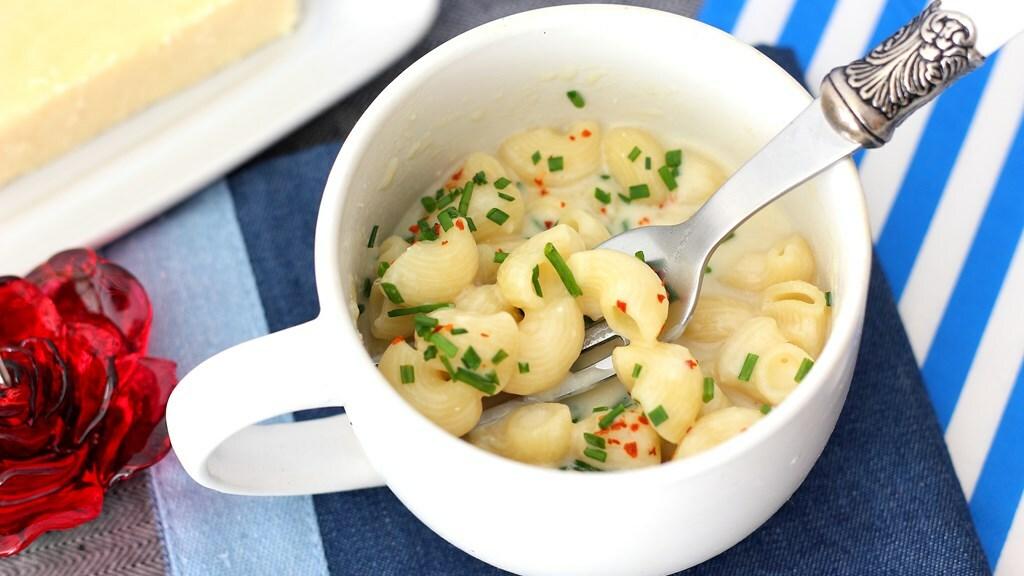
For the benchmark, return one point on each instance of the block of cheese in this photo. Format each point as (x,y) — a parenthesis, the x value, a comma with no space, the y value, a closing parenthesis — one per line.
(71,68)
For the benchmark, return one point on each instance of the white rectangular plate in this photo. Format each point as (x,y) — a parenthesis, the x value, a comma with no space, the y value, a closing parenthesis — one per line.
(156,158)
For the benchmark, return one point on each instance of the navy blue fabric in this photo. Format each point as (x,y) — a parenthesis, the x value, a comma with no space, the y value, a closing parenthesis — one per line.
(883,498)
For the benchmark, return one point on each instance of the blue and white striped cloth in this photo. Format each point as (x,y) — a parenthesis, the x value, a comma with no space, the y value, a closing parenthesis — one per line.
(946,200)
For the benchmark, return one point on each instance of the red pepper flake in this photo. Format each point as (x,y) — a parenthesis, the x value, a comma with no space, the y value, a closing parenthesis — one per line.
(603,432)
(604,210)
(586,133)
(662,205)
(444,242)
(644,221)
(460,225)
(539,181)
(415,229)
(691,363)
(634,426)
(485,335)
(544,192)
(437,229)
(571,137)
(439,327)
(397,340)
(561,204)
(688,430)
(457,175)
(661,298)
(653,451)
(618,425)
(621,305)
(630,448)
(611,441)
(548,224)
(643,419)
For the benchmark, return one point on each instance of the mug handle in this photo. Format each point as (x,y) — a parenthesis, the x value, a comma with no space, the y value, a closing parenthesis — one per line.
(213,416)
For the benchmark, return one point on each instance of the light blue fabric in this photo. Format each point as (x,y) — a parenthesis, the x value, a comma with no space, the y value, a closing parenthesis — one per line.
(193,263)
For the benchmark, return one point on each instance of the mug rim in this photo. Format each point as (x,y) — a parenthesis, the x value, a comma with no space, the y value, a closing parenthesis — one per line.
(847,312)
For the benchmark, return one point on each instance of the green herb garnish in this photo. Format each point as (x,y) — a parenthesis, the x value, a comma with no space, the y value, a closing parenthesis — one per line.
(502,183)
(430,353)
(391,291)
(459,331)
(367,285)
(506,197)
(576,98)
(408,373)
(421,309)
(480,178)
(500,256)
(709,389)
(497,216)
(471,224)
(429,203)
(674,157)
(666,176)
(602,196)
(805,367)
(499,356)
(444,345)
(382,267)
(595,454)
(535,278)
(748,367)
(610,417)
(486,384)
(634,153)
(535,157)
(373,236)
(658,415)
(639,191)
(562,268)
(524,367)
(766,408)
(594,440)
(828,298)
(467,195)
(470,359)
(640,256)
(636,370)
(555,163)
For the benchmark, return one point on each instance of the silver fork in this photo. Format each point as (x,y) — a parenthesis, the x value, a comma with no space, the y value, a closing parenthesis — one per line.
(860,106)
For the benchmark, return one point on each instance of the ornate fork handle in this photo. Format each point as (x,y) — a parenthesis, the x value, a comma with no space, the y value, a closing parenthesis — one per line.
(867,99)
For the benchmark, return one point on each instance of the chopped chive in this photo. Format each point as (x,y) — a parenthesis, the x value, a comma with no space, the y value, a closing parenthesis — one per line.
(430,353)
(444,345)
(438,193)
(563,270)
(373,236)
(480,178)
(424,325)
(524,367)
(408,373)
(391,291)
(497,216)
(625,225)
(576,98)
(674,157)
(506,197)
(595,454)
(766,408)
(426,232)
(429,203)
(600,409)
(634,154)
(536,281)
(594,440)
(709,389)
(447,366)
(470,359)
(445,200)
(625,198)
(467,195)
(581,466)
(555,163)
(421,309)
(805,367)
(639,191)
(471,224)
(658,415)
(647,163)
(729,236)
(828,298)
(748,367)
(666,176)
(605,177)
(499,356)
(367,284)
(481,383)
(499,257)
(602,196)
(445,219)
(610,417)
(640,256)
(502,183)
(382,267)
(636,370)
(707,269)
(459,331)
(535,157)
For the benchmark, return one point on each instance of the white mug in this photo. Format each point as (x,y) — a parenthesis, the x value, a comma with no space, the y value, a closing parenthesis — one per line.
(668,73)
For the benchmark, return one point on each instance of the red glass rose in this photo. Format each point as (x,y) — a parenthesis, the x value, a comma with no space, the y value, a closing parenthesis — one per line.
(84,405)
